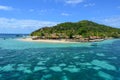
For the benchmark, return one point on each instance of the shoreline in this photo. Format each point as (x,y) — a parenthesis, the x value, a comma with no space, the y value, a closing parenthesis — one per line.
(45,40)
(56,40)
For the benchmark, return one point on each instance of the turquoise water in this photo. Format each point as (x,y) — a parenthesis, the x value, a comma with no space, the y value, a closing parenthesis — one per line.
(59,61)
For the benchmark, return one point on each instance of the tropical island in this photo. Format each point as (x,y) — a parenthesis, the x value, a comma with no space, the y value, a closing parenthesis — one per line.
(82,31)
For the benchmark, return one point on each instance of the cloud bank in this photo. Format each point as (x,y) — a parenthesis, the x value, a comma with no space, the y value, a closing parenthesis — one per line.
(65,14)
(73,1)
(112,21)
(22,26)
(5,8)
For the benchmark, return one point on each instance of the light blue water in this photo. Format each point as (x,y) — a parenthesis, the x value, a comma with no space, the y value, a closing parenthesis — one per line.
(59,61)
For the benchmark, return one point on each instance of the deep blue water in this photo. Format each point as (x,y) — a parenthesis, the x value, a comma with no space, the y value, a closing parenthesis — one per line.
(45,61)
(6,36)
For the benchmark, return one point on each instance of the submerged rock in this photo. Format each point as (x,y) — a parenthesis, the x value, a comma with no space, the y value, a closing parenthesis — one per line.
(24,69)
(56,69)
(39,68)
(47,76)
(96,68)
(76,57)
(100,54)
(62,65)
(27,71)
(1,57)
(104,75)
(72,69)
(112,58)
(71,66)
(8,67)
(103,64)
(41,63)
(83,64)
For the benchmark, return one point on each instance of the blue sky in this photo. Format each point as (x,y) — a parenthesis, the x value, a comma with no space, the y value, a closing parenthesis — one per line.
(25,16)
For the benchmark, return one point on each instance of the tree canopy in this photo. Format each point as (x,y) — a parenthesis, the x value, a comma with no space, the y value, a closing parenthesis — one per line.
(82,28)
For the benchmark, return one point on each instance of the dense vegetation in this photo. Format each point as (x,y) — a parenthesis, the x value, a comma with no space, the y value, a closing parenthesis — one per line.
(82,29)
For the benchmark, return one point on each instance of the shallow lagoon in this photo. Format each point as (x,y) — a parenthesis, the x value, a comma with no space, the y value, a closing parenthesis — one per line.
(45,61)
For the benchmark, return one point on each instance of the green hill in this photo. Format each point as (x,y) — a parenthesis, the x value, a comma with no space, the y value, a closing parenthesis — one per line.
(83,29)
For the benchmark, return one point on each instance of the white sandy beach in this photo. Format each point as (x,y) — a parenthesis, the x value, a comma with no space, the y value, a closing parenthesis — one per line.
(45,40)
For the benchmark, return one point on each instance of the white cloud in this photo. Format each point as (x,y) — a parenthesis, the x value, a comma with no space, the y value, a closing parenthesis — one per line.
(65,14)
(89,5)
(6,8)
(22,25)
(73,1)
(113,21)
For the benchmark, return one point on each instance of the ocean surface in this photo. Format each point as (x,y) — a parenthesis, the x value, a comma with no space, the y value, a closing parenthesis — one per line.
(58,61)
